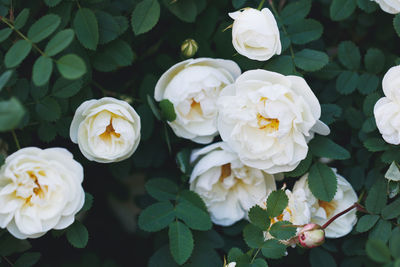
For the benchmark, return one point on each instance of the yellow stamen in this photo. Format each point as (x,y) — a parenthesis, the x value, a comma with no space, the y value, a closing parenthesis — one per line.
(106,136)
(329,207)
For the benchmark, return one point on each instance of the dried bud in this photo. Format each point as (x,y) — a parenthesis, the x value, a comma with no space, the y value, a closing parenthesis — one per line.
(311,235)
(189,48)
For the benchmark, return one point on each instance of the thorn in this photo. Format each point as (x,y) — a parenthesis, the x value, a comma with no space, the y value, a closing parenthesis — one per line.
(229,27)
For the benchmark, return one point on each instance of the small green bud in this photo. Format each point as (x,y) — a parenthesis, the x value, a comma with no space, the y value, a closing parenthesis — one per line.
(189,48)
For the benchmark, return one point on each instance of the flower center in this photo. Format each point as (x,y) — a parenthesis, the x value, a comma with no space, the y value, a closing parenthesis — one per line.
(329,207)
(268,124)
(109,132)
(226,171)
(195,106)
(279,218)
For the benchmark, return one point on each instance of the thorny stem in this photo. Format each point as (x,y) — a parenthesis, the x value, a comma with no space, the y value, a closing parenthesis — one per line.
(355,205)
(261,5)
(15,139)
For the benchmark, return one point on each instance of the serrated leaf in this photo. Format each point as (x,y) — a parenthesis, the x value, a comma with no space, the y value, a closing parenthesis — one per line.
(11,114)
(47,132)
(235,254)
(392,210)
(374,60)
(349,55)
(184,10)
(52,3)
(320,257)
(43,27)
(4,78)
(277,201)
(114,55)
(259,217)
(86,28)
(77,235)
(310,60)
(295,11)
(161,189)
(193,216)
(59,42)
(378,251)
(305,31)
(253,236)
(366,222)
(375,144)
(283,233)
(324,147)
(273,249)
(27,259)
(376,198)
(367,83)
(21,19)
(330,112)
(393,173)
(342,9)
(347,82)
(71,66)
(381,231)
(167,110)
(238,3)
(180,242)
(367,5)
(394,243)
(48,109)
(193,198)
(42,70)
(145,16)
(17,53)
(64,88)
(282,64)
(156,217)
(108,27)
(322,182)
(302,168)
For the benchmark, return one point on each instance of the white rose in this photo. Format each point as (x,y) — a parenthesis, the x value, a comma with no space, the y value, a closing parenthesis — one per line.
(39,190)
(267,118)
(322,211)
(255,34)
(387,109)
(231,264)
(106,130)
(228,187)
(389,6)
(193,86)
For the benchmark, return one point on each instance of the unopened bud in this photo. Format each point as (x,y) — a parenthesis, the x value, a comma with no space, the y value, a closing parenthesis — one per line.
(189,48)
(311,235)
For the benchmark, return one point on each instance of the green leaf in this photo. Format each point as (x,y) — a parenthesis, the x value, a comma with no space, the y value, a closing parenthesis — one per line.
(273,249)
(259,217)
(322,182)
(253,236)
(167,110)
(153,107)
(5,33)
(393,173)
(183,160)
(161,189)
(42,70)
(347,82)
(21,19)
(349,55)
(11,114)
(367,5)
(392,210)
(324,147)
(193,198)
(302,168)
(366,222)
(156,217)
(77,235)
(109,28)
(320,257)
(375,144)
(282,64)
(4,78)
(184,10)
(71,66)
(180,242)
(376,199)
(145,16)
(88,202)
(277,201)
(59,42)
(114,55)
(238,3)
(64,88)
(369,125)
(52,3)
(43,27)
(282,233)
(342,9)
(27,259)
(330,113)
(305,31)
(48,109)
(396,24)
(310,60)
(378,251)
(86,28)
(367,83)
(17,53)
(194,217)
(295,11)
(394,243)
(47,132)
(374,60)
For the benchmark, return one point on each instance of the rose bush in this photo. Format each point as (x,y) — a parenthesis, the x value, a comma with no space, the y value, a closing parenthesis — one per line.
(235,132)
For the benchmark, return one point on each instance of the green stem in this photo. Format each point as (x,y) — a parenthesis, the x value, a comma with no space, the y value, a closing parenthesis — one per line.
(8,261)
(261,4)
(15,139)
(255,255)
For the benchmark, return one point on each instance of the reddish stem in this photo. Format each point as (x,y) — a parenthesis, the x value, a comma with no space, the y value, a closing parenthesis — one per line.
(355,205)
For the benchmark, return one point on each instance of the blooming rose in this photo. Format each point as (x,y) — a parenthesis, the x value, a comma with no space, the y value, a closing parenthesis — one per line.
(322,211)
(389,6)
(106,130)
(267,118)
(232,264)
(255,34)
(39,190)
(228,187)
(387,109)
(193,86)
